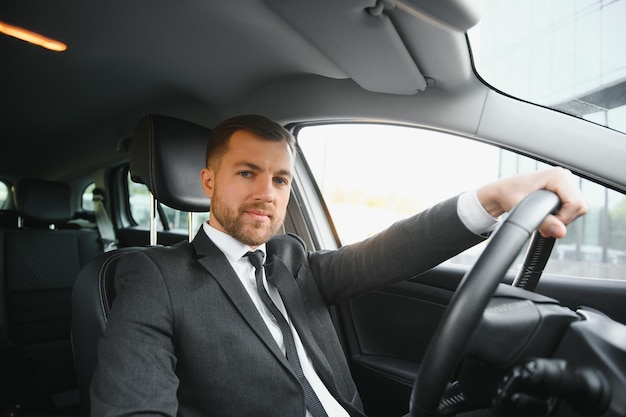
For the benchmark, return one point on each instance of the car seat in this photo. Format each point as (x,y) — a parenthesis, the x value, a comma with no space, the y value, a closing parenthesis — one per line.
(167,155)
(39,263)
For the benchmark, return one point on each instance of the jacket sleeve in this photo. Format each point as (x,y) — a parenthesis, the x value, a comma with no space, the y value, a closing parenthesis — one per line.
(136,361)
(404,250)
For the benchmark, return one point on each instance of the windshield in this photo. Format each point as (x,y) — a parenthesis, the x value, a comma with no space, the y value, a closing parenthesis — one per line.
(563,54)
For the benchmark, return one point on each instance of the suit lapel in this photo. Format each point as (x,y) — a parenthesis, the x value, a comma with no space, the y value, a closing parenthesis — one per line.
(215,262)
(292,299)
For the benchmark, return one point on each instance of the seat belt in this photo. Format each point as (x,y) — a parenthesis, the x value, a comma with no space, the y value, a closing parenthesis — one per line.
(105,226)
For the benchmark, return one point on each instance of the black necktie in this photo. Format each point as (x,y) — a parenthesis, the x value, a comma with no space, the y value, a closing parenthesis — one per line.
(312,402)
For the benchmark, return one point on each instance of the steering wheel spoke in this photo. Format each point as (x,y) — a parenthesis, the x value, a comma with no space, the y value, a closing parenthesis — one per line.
(535,261)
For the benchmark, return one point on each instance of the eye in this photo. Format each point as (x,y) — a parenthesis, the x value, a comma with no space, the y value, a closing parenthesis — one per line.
(245,174)
(281,181)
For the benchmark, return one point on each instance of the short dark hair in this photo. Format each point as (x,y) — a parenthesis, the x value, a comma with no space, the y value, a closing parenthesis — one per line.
(253,123)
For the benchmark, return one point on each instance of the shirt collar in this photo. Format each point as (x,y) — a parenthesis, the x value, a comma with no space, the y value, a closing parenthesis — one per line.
(231,247)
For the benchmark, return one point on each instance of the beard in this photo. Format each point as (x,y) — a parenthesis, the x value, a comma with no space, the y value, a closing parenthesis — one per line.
(251,233)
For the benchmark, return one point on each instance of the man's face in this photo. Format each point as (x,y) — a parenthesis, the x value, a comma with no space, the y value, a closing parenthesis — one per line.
(249,190)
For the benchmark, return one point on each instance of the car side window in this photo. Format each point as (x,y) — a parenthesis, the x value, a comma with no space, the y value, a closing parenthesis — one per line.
(4,194)
(371,175)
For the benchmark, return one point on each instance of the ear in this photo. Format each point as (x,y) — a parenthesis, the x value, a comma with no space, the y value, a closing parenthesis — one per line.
(207,177)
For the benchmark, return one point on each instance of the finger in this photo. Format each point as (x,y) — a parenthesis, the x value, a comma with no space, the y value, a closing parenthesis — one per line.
(571,211)
(552,226)
(556,225)
(565,184)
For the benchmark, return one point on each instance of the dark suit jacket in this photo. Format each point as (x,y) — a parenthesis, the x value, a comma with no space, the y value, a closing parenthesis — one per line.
(185,339)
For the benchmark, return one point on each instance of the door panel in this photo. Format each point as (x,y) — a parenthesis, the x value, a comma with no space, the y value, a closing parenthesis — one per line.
(387,332)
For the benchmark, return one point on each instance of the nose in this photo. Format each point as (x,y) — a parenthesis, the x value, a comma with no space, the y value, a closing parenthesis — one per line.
(264,188)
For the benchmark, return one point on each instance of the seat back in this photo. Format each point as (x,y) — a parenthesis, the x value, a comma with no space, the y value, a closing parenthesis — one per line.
(8,219)
(167,155)
(40,261)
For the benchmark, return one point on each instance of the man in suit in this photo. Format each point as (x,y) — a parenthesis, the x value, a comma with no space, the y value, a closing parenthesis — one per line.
(192,334)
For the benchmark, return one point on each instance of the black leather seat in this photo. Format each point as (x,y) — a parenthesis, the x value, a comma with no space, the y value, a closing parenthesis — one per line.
(39,262)
(167,155)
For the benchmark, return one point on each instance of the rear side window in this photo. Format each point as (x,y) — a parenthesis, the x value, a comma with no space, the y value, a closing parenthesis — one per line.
(139,200)
(168,218)
(399,171)
(87,198)
(4,195)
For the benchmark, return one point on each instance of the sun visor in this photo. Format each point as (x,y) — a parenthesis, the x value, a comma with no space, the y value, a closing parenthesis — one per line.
(359,37)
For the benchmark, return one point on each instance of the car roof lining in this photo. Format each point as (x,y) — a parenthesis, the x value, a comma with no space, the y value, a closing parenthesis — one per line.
(153,74)
(202,75)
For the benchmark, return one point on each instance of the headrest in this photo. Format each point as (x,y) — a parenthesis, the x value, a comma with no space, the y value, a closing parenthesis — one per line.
(167,155)
(43,201)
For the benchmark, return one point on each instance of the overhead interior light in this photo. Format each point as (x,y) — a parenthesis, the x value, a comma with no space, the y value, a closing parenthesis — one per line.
(32,37)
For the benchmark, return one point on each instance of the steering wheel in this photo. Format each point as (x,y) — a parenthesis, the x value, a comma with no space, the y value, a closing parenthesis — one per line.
(471,299)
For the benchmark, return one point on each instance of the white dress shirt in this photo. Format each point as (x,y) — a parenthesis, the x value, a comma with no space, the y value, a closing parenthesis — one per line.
(473,214)
(469,209)
(235,252)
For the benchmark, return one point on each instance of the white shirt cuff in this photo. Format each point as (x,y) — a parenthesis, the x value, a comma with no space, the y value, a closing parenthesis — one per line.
(473,214)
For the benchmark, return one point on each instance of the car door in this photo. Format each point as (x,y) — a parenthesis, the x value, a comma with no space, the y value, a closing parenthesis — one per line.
(350,186)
